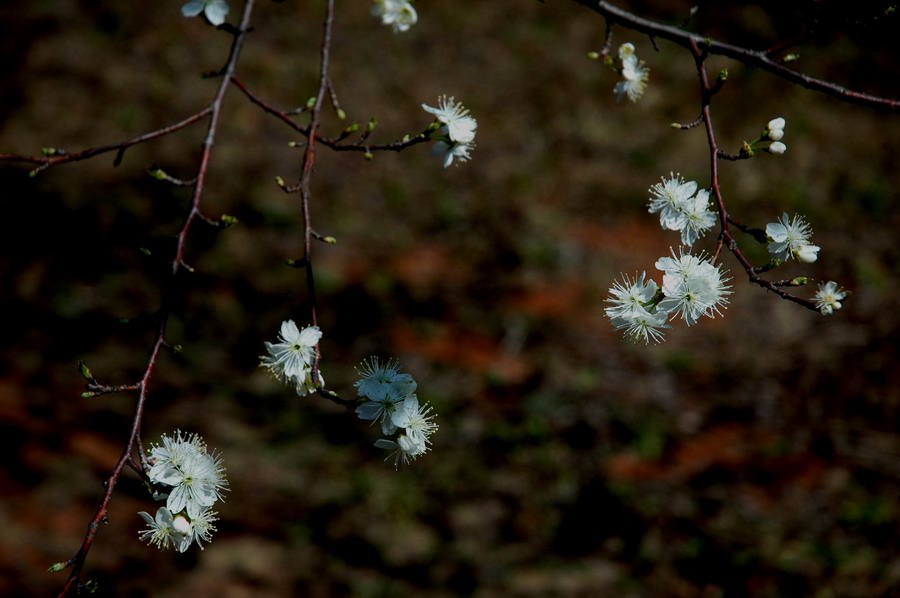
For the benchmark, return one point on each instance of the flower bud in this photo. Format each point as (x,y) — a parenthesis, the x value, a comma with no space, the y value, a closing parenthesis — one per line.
(777,148)
(182,525)
(776,124)
(808,253)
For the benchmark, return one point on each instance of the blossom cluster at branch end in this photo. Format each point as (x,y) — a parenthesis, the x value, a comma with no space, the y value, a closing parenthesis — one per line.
(190,479)
(290,360)
(456,134)
(389,398)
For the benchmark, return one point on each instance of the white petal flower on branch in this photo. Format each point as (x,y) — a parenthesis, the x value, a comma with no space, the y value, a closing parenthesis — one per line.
(171,455)
(460,125)
(381,411)
(198,483)
(634,75)
(643,325)
(415,419)
(387,388)
(448,151)
(777,148)
(165,530)
(692,287)
(202,527)
(456,137)
(399,14)
(694,218)
(668,198)
(404,450)
(790,238)
(214,10)
(828,298)
(633,309)
(630,296)
(379,379)
(290,360)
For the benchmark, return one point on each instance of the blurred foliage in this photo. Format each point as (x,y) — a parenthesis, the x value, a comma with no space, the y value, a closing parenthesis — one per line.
(755,454)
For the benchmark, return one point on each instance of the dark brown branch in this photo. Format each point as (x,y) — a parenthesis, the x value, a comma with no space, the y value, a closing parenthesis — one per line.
(333,143)
(63,158)
(73,583)
(725,236)
(309,160)
(756,58)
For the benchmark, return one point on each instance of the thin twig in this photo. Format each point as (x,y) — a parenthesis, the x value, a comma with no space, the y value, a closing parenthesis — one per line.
(64,158)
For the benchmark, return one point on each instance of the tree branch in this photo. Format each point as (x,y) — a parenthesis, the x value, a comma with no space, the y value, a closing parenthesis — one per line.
(755,58)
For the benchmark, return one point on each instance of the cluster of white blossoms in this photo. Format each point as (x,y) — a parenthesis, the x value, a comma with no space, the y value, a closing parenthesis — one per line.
(692,287)
(634,75)
(213,10)
(190,479)
(390,399)
(399,14)
(456,137)
(290,359)
(682,207)
(790,238)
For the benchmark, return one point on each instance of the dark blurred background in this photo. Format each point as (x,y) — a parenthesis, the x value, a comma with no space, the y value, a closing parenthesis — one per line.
(754,454)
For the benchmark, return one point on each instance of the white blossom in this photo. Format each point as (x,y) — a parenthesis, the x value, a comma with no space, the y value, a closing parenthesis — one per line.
(399,14)
(790,238)
(692,287)
(391,400)
(166,530)
(448,151)
(416,420)
(386,387)
(828,298)
(680,209)
(460,125)
(643,325)
(214,10)
(290,360)
(379,379)
(634,310)
(404,450)
(455,138)
(196,478)
(668,197)
(634,75)
(197,483)
(694,218)
(202,526)
(172,453)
